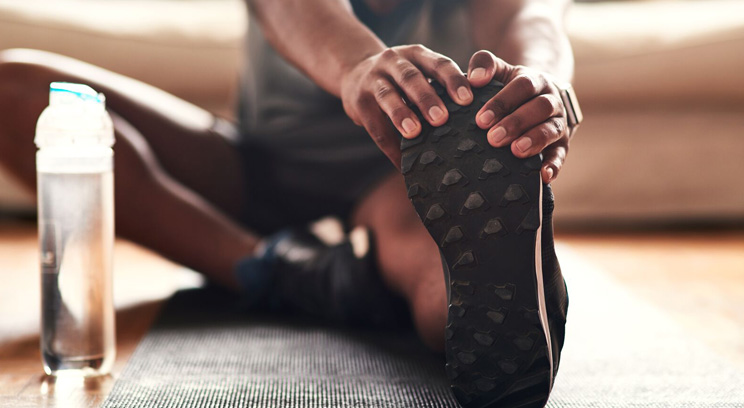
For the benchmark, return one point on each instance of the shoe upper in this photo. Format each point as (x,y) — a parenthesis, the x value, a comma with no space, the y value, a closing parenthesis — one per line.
(330,282)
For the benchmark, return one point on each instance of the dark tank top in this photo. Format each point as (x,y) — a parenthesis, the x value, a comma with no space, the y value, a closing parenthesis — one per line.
(276,97)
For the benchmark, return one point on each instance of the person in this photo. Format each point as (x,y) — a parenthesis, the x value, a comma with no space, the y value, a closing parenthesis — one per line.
(329,88)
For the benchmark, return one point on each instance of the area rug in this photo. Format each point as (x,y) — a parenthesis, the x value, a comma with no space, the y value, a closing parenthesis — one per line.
(620,352)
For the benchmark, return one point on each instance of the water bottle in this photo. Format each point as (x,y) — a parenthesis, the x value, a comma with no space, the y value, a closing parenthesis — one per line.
(75,181)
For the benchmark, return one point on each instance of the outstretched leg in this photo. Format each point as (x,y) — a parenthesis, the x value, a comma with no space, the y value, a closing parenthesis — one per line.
(484,209)
(178,181)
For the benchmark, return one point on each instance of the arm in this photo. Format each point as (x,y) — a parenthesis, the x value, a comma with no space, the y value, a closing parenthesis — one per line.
(330,45)
(529,113)
(531,33)
(322,38)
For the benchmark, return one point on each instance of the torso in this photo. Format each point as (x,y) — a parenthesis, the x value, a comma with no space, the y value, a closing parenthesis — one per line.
(275,96)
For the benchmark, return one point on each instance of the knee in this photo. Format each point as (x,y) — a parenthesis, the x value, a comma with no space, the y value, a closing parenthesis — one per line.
(18,67)
(24,87)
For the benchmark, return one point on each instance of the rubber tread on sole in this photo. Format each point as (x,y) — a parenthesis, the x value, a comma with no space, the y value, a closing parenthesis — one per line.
(482,207)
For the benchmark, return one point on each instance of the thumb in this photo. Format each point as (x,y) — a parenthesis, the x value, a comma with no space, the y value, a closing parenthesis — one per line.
(484,67)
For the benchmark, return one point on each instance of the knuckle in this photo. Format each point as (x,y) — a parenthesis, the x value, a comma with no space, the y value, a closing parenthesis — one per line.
(525,84)
(557,103)
(409,74)
(546,104)
(383,91)
(418,48)
(442,62)
(561,127)
(389,54)
(544,133)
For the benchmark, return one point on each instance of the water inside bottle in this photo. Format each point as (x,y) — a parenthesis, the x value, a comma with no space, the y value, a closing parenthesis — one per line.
(76,241)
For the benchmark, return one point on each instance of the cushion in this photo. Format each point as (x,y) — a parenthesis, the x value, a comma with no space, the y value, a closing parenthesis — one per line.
(189,48)
(653,52)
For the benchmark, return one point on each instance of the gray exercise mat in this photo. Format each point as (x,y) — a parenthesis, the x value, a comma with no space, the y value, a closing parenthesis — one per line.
(620,352)
(201,353)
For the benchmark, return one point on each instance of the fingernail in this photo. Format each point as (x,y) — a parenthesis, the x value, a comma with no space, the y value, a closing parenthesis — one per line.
(463,93)
(487,117)
(409,126)
(497,135)
(478,74)
(436,113)
(549,171)
(524,143)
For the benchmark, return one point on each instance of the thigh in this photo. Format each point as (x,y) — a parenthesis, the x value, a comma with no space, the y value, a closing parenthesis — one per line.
(189,143)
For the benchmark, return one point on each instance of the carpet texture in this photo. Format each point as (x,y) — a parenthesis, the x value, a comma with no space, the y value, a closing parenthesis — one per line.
(620,352)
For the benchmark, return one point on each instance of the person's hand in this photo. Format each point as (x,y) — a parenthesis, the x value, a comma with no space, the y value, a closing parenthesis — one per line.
(528,113)
(375,91)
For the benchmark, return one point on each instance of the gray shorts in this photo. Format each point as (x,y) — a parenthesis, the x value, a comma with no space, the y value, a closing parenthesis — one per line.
(321,168)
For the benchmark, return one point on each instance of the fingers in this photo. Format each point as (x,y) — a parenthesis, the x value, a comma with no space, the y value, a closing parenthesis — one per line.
(484,67)
(381,131)
(526,113)
(539,137)
(444,71)
(516,93)
(399,113)
(553,158)
(536,111)
(416,88)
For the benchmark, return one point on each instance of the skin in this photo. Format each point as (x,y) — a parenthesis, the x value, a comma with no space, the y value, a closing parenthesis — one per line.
(376,81)
(179,187)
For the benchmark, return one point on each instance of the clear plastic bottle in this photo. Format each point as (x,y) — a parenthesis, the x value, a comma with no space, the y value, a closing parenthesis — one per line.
(74,167)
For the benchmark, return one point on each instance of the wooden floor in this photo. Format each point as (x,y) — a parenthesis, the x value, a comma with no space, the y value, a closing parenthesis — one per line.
(697,278)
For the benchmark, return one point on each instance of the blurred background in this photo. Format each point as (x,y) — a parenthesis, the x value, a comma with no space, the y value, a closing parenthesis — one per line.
(652,193)
(661,84)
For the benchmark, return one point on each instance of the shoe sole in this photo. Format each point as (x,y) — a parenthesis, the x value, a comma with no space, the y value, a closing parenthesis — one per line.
(483,206)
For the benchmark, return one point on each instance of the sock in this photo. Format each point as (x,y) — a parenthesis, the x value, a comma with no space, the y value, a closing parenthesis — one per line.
(255,274)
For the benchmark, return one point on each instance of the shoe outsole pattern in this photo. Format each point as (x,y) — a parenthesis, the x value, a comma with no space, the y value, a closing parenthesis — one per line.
(482,207)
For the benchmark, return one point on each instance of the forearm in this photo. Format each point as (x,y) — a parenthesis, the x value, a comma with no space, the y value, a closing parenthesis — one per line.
(322,38)
(531,33)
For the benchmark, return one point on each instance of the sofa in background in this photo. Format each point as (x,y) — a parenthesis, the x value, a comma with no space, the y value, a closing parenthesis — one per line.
(661,84)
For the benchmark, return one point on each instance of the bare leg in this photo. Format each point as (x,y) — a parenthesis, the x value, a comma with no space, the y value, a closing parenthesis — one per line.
(175,179)
(408,258)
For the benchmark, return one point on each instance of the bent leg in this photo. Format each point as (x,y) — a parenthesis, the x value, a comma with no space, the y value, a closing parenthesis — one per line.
(408,258)
(174,181)
(179,134)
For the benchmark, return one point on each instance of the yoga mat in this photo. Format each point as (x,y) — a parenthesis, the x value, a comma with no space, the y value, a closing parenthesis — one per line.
(620,352)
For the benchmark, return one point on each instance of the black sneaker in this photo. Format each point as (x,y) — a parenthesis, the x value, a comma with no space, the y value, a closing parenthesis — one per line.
(300,274)
(483,207)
